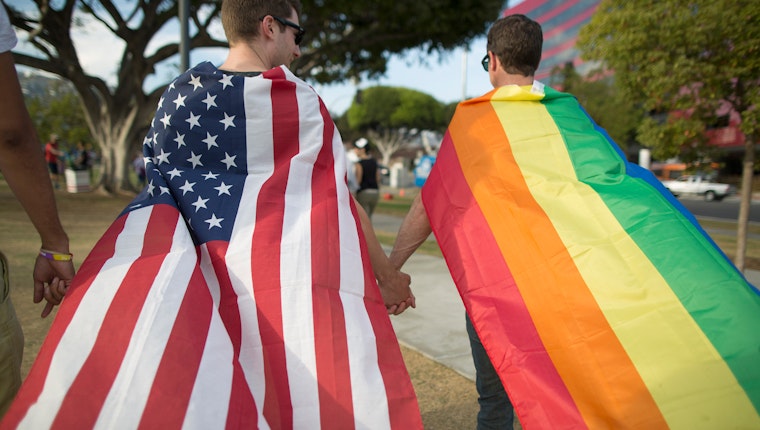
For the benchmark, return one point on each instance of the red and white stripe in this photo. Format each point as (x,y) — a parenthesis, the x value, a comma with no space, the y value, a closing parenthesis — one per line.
(282,327)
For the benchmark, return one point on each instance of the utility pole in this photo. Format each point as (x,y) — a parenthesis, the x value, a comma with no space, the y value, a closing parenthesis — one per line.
(464,72)
(184,42)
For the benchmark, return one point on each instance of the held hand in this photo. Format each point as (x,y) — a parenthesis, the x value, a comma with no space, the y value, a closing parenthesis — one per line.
(51,280)
(397,295)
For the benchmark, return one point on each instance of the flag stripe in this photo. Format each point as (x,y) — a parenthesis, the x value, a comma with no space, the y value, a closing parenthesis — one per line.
(210,401)
(723,290)
(265,260)
(193,317)
(490,294)
(335,400)
(242,409)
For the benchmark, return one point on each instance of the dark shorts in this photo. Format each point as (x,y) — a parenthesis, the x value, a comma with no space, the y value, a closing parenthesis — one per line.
(53,167)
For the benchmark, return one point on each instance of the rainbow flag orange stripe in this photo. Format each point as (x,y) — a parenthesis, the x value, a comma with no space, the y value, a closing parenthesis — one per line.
(600,300)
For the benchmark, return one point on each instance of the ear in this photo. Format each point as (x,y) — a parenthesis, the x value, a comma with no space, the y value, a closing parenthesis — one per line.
(494,63)
(267,27)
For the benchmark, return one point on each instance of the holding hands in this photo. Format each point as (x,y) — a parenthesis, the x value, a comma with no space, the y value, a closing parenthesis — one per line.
(52,277)
(396,291)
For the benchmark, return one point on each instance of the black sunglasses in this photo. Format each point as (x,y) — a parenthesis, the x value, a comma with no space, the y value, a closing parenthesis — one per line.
(484,62)
(300,31)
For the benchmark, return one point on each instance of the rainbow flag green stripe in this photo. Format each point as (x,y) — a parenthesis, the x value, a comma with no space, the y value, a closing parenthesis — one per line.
(593,290)
(705,283)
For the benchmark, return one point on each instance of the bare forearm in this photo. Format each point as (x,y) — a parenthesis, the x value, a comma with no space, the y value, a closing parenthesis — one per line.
(22,161)
(413,232)
(380,263)
(25,171)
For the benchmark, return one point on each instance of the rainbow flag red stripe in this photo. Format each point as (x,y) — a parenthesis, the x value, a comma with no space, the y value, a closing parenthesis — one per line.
(598,297)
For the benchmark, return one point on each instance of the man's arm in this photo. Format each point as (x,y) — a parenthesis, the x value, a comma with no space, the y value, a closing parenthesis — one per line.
(394,285)
(413,232)
(22,164)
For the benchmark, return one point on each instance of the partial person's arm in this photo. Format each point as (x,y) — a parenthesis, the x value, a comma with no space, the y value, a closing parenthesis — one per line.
(359,172)
(394,285)
(413,232)
(23,167)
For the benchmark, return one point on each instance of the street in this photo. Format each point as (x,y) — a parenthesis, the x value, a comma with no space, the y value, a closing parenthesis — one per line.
(727,209)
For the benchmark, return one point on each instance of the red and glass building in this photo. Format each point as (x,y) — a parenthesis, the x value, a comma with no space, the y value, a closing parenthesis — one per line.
(560,20)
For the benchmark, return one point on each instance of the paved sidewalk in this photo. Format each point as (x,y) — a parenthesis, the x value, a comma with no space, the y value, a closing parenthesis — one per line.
(436,328)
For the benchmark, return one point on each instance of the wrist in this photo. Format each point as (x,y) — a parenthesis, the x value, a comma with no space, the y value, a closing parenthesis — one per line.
(56,256)
(59,245)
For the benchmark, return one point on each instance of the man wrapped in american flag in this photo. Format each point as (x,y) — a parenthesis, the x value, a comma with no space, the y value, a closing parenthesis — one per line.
(236,291)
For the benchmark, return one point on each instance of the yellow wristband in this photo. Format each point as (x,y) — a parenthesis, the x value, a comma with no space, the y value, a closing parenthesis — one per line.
(56,256)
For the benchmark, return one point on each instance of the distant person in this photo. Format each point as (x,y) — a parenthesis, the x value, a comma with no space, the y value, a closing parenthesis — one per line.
(351,160)
(138,164)
(244,287)
(594,297)
(52,157)
(368,177)
(23,167)
(80,157)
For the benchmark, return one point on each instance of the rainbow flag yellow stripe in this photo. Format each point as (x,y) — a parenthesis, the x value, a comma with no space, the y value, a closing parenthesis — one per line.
(600,300)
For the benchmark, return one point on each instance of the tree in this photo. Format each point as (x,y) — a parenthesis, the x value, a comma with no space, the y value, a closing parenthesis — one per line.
(347,39)
(54,108)
(685,60)
(603,101)
(392,116)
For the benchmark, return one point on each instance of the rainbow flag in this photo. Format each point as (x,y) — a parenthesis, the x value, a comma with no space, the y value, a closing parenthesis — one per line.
(599,299)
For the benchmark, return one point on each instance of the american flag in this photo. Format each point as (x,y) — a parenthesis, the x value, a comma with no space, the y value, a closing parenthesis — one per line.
(236,290)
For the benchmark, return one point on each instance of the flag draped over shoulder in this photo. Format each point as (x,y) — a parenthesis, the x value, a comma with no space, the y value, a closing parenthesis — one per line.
(236,290)
(599,299)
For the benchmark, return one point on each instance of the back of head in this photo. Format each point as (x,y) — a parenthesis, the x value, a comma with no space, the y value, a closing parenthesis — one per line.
(240,18)
(517,40)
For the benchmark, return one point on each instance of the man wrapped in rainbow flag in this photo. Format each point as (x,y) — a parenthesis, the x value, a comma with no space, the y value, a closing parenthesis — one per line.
(562,253)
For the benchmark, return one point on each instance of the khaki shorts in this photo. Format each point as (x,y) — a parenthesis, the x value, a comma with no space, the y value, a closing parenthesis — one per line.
(11,342)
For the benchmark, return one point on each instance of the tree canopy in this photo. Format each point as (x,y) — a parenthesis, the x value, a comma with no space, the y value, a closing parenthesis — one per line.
(345,39)
(603,102)
(688,62)
(682,59)
(350,38)
(392,116)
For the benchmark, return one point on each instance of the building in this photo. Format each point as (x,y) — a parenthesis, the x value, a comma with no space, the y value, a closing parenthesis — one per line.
(561,20)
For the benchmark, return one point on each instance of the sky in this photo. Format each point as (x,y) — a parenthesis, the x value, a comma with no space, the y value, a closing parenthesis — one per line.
(456,75)
(448,77)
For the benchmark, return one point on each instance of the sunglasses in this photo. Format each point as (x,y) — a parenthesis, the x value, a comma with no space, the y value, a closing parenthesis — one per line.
(300,31)
(484,62)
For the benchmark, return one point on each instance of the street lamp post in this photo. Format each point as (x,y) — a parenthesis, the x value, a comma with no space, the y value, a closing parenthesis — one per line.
(184,43)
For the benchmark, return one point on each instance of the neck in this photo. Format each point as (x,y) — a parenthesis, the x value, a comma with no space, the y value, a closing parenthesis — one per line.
(244,57)
(505,78)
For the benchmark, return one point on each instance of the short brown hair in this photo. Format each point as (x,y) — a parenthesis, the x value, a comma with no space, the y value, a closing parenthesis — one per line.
(517,40)
(240,18)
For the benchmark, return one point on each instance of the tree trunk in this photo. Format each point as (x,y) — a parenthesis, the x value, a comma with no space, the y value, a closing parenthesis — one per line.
(746,200)
(117,133)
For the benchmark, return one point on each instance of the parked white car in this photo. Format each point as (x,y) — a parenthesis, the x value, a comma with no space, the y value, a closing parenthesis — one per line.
(699,185)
